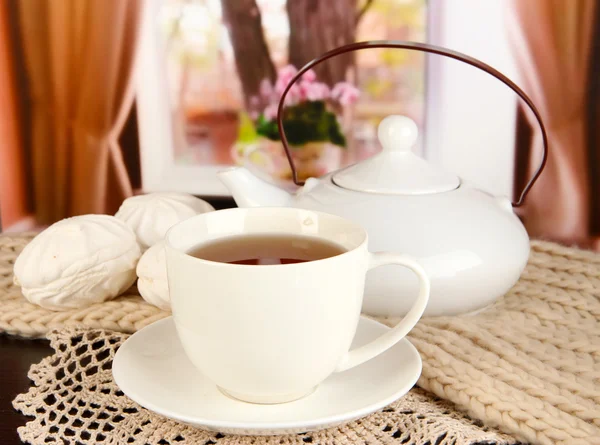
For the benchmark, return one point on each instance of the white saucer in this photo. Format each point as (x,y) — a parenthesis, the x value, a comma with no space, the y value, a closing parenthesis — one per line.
(152,369)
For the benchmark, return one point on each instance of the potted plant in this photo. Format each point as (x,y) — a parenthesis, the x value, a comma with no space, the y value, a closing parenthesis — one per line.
(310,120)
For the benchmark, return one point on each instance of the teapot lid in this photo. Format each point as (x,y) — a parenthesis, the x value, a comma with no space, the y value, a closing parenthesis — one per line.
(396,169)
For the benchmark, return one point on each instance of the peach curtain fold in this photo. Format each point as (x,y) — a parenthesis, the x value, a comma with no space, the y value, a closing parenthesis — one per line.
(551,41)
(13,196)
(79,60)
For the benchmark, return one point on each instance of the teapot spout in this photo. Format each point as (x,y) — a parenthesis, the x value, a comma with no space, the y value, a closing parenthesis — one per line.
(249,191)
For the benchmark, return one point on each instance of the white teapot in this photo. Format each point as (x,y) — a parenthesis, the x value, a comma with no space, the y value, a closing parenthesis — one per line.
(471,244)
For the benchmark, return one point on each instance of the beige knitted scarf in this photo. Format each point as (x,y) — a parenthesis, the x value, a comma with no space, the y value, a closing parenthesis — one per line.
(529,365)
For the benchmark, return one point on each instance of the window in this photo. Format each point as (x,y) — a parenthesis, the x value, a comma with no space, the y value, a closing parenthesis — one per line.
(193,103)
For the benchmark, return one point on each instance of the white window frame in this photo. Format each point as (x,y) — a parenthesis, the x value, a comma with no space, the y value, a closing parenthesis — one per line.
(159,170)
(470,116)
(458,98)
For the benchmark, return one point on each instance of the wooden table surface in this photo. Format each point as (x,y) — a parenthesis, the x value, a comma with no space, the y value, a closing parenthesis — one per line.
(16,356)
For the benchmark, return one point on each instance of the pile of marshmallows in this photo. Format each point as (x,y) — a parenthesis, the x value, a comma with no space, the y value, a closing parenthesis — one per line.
(89,259)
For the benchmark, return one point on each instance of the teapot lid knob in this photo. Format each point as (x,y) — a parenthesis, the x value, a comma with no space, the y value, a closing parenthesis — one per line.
(396,170)
(398,133)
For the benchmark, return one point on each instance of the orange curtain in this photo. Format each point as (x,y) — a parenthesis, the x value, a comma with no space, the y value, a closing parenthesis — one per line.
(13,199)
(79,57)
(551,40)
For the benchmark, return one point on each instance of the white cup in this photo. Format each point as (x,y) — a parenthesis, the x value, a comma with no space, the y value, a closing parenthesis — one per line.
(273,333)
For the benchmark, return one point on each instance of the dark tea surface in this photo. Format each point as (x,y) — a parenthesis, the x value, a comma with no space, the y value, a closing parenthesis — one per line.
(266,249)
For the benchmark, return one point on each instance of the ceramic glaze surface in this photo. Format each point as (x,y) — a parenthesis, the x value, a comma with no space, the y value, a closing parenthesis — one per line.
(152,369)
(471,244)
(396,170)
(272,333)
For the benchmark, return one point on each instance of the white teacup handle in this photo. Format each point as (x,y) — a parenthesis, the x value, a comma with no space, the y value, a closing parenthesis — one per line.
(381,344)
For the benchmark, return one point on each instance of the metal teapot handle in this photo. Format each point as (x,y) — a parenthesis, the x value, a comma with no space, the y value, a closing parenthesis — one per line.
(428,49)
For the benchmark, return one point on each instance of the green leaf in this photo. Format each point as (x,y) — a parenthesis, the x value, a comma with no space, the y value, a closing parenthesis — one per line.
(246,131)
(267,128)
(335,133)
(303,123)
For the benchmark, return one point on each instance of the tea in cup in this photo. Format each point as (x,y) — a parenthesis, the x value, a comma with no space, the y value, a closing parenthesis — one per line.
(266,301)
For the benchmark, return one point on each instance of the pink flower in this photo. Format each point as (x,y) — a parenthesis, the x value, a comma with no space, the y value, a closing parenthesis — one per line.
(279,87)
(345,93)
(350,97)
(286,74)
(284,77)
(266,89)
(271,112)
(313,91)
(254,101)
(309,76)
(293,96)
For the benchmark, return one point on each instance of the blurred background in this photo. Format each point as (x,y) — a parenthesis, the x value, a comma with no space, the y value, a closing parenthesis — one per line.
(102,99)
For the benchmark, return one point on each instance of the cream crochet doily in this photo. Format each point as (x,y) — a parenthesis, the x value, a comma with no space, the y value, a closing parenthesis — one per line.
(529,365)
(75,398)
